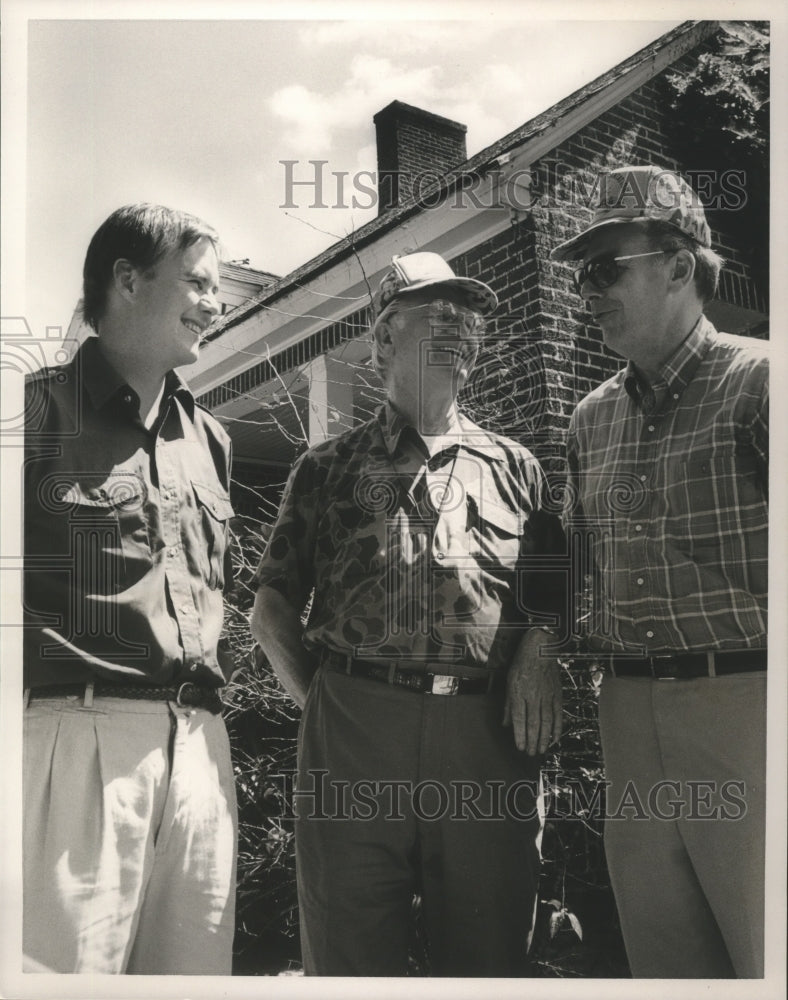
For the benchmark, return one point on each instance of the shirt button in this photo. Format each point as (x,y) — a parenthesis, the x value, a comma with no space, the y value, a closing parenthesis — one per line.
(638,527)
(675,395)
(642,479)
(193,668)
(651,427)
(650,634)
(439,554)
(640,581)
(126,397)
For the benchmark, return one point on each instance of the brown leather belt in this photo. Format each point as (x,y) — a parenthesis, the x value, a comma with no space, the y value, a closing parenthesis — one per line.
(685,666)
(417,680)
(187,694)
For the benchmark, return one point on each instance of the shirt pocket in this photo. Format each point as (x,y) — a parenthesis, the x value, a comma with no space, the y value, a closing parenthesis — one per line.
(353,542)
(214,511)
(495,533)
(108,532)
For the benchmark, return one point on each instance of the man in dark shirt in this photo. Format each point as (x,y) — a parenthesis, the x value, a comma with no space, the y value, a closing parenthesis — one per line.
(415,532)
(130,816)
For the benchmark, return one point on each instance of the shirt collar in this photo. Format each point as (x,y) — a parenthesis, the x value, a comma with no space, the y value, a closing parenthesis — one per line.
(678,371)
(467,434)
(175,386)
(97,375)
(102,382)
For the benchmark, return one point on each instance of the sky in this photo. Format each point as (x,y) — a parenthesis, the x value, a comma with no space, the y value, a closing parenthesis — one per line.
(198,114)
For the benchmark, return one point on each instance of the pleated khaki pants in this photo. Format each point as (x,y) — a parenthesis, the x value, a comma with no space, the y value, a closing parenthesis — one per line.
(129,838)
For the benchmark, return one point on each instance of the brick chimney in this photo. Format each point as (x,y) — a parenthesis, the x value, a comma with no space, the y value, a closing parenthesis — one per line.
(414,147)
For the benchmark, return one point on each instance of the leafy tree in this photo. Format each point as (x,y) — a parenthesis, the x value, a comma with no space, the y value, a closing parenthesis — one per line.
(721,123)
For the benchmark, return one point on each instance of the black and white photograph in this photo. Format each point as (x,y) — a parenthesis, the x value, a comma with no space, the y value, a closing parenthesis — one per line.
(385,520)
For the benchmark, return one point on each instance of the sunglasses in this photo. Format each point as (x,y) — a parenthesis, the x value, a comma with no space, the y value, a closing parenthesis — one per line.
(604,271)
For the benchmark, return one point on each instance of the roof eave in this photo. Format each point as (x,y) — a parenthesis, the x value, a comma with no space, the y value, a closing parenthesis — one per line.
(682,38)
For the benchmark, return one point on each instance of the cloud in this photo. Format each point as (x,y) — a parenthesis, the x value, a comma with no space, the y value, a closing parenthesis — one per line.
(312,119)
(302,111)
(481,97)
(503,80)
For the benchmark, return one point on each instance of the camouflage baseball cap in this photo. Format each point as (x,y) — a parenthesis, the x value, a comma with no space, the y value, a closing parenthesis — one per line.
(639,194)
(414,271)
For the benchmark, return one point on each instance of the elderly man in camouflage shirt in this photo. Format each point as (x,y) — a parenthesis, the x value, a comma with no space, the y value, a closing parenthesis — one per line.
(414,533)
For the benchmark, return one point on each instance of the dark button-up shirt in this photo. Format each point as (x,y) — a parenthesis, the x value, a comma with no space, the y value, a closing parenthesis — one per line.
(670,482)
(441,560)
(126,530)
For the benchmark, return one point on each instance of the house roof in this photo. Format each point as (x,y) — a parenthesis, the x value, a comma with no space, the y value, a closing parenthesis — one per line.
(251,275)
(683,37)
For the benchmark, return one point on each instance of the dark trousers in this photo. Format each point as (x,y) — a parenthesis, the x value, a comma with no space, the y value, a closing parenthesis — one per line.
(400,793)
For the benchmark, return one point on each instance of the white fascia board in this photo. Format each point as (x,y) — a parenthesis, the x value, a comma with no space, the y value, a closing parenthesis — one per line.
(341,289)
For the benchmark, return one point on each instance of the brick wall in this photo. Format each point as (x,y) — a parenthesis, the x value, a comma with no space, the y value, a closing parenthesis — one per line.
(542,354)
(414,149)
(561,355)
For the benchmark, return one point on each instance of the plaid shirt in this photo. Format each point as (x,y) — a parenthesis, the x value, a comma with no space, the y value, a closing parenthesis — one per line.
(397,576)
(668,487)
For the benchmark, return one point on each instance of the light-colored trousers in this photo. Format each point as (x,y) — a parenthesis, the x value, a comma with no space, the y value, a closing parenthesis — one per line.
(685,831)
(129,838)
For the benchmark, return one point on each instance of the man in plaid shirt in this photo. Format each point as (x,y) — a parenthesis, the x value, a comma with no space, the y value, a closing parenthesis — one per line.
(667,485)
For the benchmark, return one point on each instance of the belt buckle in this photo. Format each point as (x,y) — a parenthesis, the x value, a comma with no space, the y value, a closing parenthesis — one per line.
(445,684)
(653,661)
(186,684)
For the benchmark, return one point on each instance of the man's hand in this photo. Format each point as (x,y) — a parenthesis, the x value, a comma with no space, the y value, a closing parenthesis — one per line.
(533,703)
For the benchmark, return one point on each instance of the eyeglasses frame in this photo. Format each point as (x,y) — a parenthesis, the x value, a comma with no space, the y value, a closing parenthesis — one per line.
(460,316)
(582,274)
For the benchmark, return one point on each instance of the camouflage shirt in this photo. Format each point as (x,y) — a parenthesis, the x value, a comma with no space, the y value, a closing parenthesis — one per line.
(427,560)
